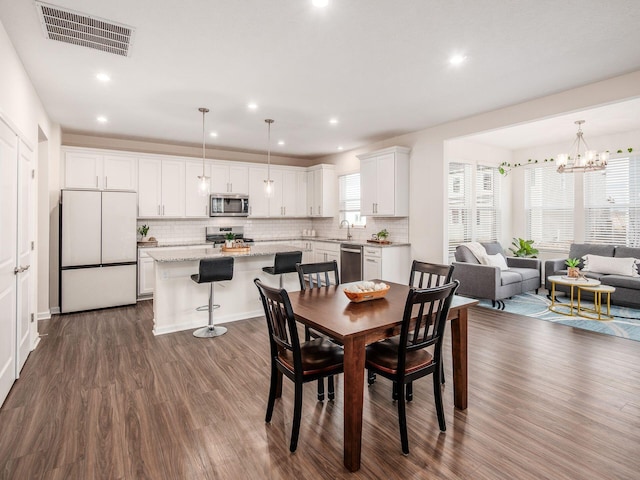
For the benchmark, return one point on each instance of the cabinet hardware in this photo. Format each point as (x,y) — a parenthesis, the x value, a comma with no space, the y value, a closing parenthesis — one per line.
(310,210)
(20,269)
(96,181)
(106,183)
(371,260)
(158,209)
(163,210)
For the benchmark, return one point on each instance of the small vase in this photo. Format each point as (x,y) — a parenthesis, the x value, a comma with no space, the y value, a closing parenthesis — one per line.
(573,272)
(228,243)
(144,239)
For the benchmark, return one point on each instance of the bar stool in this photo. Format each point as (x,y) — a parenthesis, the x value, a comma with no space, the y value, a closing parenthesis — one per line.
(285,262)
(212,270)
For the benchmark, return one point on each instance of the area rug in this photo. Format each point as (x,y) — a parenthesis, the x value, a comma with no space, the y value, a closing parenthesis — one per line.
(625,324)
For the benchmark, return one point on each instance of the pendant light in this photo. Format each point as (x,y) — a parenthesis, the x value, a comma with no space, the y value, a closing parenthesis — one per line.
(203,184)
(268,183)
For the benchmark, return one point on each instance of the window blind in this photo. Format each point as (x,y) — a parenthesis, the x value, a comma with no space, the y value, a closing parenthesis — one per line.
(549,206)
(460,195)
(612,203)
(487,204)
(349,199)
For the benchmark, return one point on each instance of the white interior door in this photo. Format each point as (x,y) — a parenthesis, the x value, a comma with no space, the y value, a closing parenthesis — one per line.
(24,277)
(8,258)
(119,227)
(81,228)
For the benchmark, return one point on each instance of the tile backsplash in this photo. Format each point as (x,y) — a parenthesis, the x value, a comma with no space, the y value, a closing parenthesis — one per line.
(178,230)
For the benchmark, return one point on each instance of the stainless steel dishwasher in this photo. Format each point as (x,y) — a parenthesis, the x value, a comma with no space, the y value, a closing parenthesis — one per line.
(350,263)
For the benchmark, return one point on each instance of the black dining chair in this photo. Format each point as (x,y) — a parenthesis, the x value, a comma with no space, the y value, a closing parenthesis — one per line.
(300,362)
(404,358)
(316,275)
(423,275)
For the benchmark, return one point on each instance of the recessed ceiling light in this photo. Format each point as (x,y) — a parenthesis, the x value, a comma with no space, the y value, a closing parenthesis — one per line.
(103,77)
(333,121)
(457,59)
(280,142)
(213,134)
(340,147)
(102,119)
(252,106)
(320,3)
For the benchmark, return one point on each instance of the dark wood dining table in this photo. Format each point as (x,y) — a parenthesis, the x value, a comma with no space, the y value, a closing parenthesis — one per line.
(356,325)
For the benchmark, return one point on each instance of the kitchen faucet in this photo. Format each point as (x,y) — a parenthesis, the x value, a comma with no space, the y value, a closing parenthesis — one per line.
(348,229)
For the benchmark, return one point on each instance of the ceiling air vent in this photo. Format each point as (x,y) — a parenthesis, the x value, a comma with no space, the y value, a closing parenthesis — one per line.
(86,31)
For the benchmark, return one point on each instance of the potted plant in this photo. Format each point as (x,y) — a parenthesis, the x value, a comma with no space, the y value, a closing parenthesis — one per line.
(229,238)
(573,271)
(143,230)
(382,235)
(523,248)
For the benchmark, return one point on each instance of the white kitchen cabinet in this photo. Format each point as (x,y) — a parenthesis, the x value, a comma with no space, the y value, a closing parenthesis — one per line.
(229,178)
(387,263)
(146,274)
(384,182)
(96,170)
(289,193)
(326,252)
(161,188)
(196,204)
(308,253)
(258,201)
(322,191)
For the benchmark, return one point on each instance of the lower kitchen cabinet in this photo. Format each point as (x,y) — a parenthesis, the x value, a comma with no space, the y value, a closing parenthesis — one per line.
(146,274)
(326,252)
(387,263)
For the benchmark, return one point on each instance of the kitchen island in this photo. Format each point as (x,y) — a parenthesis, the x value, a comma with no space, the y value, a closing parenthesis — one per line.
(176,296)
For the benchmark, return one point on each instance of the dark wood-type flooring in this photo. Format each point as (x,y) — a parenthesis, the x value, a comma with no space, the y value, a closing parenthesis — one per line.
(101,397)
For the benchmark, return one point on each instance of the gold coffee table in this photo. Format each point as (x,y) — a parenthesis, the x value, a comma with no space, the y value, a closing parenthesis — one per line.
(571,282)
(597,291)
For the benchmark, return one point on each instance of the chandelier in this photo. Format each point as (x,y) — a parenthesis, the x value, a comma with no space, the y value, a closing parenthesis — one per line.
(268,183)
(580,158)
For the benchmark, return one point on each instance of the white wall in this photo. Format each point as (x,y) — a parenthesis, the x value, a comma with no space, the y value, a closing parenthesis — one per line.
(427,226)
(21,107)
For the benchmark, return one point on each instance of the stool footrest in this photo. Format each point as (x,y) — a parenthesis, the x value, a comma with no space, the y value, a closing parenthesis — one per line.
(205,308)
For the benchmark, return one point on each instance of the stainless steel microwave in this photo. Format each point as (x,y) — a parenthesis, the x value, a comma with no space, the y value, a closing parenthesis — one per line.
(228,205)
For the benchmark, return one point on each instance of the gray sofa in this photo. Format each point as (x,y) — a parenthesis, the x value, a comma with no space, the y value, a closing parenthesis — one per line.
(627,292)
(485,281)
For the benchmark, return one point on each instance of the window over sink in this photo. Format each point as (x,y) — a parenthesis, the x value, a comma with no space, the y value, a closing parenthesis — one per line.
(350,200)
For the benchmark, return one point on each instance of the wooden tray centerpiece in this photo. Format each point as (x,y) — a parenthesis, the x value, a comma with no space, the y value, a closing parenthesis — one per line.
(238,246)
(365,291)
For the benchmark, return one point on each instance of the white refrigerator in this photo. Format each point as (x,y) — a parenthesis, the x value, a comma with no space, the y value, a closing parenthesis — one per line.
(98,249)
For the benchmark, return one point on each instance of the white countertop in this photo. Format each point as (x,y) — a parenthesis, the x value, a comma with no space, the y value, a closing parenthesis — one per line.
(194,254)
(258,241)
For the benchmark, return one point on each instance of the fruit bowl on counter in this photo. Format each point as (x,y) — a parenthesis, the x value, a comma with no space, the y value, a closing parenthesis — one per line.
(365,291)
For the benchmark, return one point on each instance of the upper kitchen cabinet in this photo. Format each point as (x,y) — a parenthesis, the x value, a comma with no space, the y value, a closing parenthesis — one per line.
(229,178)
(161,188)
(96,170)
(322,195)
(289,193)
(258,201)
(196,204)
(384,182)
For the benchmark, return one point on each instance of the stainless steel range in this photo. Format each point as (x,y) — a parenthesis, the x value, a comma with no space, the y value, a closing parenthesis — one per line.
(216,235)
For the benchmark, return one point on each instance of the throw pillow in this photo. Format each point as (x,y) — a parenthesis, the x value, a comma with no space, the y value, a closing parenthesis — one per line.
(497,260)
(611,265)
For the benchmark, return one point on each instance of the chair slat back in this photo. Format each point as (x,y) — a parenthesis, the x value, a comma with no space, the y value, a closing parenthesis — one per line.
(316,275)
(424,319)
(281,322)
(429,275)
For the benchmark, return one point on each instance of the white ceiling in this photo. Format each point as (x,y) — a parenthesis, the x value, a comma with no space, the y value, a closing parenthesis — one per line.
(379,66)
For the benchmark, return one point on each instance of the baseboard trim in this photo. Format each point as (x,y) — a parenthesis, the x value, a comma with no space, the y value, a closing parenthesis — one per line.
(44,315)
(55,310)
